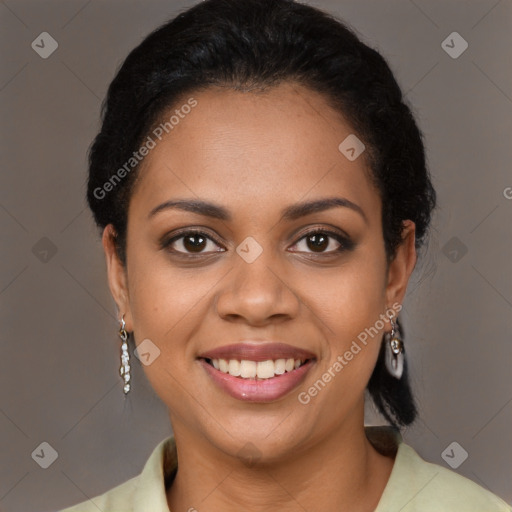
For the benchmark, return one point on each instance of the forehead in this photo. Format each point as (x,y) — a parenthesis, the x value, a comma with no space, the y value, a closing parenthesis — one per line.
(280,146)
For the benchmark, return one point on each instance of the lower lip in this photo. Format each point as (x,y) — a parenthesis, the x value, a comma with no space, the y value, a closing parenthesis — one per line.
(263,390)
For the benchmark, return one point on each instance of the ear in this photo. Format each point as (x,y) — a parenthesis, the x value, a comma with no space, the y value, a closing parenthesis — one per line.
(400,269)
(117,278)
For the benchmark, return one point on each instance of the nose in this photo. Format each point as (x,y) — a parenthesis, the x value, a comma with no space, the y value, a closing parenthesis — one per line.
(257,293)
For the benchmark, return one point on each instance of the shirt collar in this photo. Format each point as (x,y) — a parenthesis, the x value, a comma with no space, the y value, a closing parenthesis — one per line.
(150,495)
(161,467)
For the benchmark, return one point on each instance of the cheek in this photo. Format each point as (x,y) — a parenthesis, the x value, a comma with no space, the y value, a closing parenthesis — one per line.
(351,304)
(167,308)
(161,293)
(168,305)
(351,299)
(352,352)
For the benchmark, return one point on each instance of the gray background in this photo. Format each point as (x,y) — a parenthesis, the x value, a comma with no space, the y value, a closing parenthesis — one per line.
(58,338)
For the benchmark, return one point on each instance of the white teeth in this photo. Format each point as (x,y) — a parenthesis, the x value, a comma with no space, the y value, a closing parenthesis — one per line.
(234,367)
(252,369)
(265,369)
(247,369)
(279,366)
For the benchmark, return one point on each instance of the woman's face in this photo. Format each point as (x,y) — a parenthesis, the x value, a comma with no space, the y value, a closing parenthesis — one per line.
(253,173)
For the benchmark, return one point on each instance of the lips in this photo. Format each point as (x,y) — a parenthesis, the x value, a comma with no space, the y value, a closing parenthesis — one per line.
(257,372)
(257,352)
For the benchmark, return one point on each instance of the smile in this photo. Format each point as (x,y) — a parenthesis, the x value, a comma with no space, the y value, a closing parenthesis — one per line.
(257,372)
(246,369)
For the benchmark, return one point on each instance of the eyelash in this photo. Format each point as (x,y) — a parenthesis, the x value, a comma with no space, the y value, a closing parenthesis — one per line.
(345,243)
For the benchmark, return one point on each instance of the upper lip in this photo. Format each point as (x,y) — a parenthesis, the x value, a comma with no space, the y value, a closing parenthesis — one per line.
(258,351)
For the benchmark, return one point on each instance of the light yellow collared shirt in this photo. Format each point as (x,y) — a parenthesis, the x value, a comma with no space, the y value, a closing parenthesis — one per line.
(414,485)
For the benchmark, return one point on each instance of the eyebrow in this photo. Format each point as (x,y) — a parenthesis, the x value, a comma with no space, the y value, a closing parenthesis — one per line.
(292,212)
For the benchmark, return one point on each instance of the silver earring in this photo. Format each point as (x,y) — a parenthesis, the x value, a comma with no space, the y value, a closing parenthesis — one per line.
(394,352)
(124,371)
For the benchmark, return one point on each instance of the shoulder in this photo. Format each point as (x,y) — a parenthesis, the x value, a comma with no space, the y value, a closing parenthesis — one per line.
(118,498)
(145,491)
(421,486)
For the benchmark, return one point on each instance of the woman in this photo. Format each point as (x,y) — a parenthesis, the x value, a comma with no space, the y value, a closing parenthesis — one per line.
(262,192)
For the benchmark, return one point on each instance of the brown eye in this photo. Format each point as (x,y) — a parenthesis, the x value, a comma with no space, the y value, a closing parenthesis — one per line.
(194,243)
(317,242)
(191,242)
(321,241)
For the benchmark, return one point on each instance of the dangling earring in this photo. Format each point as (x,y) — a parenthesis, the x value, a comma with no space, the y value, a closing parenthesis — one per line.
(394,352)
(125,357)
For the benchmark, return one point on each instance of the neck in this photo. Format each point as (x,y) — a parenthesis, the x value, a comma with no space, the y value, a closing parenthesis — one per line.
(341,472)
